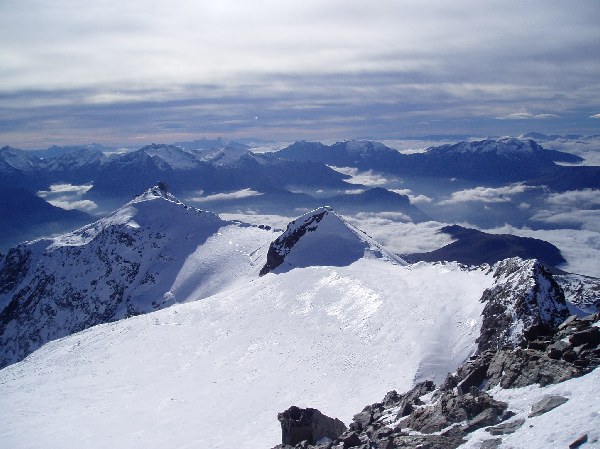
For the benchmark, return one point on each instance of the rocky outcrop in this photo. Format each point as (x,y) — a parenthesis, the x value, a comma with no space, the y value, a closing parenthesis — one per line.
(308,424)
(525,301)
(285,242)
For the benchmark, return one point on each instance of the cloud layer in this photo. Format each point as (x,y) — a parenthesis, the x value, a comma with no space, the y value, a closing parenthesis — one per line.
(141,69)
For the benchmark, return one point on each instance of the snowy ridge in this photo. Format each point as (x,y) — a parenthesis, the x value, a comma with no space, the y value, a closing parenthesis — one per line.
(322,237)
(504,147)
(149,254)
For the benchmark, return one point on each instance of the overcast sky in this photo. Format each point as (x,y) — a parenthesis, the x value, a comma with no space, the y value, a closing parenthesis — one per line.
(133,72)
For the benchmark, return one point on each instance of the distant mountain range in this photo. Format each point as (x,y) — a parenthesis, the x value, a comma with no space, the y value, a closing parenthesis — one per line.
(487,161)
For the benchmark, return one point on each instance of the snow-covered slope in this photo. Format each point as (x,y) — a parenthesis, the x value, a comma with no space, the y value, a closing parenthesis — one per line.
(215,373)
(149,254)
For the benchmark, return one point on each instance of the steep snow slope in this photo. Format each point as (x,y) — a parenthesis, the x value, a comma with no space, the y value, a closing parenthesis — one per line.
(149,254)
(214,373)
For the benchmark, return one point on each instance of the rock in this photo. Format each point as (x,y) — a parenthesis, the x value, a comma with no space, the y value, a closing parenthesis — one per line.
(492,443)
(452,408)
(426,442)
(361,421)
(587,336)
(546,404)
(308,424)
(579,441)
(522,367)
(350,439)
(524,303)
(507,427)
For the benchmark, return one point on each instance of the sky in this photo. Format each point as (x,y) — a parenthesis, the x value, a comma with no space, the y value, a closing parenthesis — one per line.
(135,72)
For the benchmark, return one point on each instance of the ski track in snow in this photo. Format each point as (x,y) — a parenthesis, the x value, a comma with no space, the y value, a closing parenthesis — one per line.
(214,373)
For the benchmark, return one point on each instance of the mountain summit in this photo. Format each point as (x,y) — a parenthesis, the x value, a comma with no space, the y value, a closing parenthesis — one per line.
(322,237)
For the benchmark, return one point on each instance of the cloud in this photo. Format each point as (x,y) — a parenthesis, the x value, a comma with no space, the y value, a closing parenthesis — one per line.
(576,207)
(398,234)
(486,194)
(365,178)
(595,116)
(328,69)
(244,193)
(65,188)
(69,196)
(413,198)
(526,116)
(581,248)
(70,204)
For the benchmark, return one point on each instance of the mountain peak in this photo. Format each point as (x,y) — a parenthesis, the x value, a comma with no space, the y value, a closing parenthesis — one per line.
(322,237)
(525,300)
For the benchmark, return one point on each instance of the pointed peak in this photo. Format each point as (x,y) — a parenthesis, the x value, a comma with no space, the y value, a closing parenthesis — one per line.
(322,237)
(156,192)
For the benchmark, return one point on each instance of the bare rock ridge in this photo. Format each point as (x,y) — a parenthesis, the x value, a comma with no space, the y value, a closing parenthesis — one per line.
(337,243)
(525,300)
(527,338)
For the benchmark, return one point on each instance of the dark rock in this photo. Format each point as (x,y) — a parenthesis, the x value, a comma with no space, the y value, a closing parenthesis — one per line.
(452,408)
(579,441)
(307,424)
(361,421)
(522,367)
(493,443)
(350,439)
(507,427)
(587,336)
(546,404)
(426,442)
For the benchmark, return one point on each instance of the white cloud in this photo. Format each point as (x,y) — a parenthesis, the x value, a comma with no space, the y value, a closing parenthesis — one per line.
(414,199)
(396,232)
(526,116)
(595,116)
(574,207)
(69,196)
(486,194)
(70,204)
(244,193)
(65,188)
(581,248)
(365,178)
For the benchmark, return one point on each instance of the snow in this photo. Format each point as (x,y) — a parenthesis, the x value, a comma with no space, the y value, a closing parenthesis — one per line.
(177,158)
(327,239)
(556,428)
(215,372)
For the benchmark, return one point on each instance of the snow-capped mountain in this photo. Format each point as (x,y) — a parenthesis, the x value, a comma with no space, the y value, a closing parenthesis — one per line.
(322,237)
(338,322)
(149,254)
(503,160)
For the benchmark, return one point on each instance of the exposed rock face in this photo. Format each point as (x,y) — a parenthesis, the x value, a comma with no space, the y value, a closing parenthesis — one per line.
(284,243)
(308,424)
(525,301)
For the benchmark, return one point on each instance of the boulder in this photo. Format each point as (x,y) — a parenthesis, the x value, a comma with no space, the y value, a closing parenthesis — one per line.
(547,403)
(298,424)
